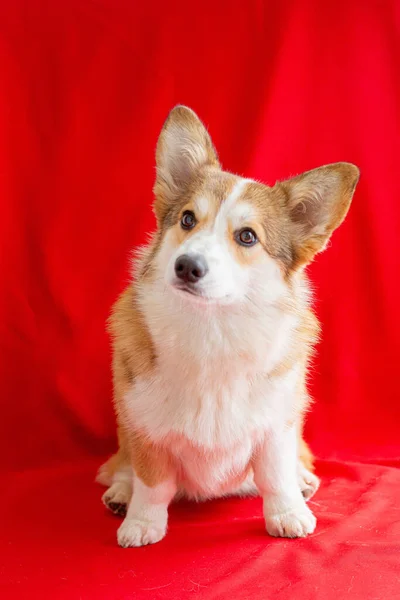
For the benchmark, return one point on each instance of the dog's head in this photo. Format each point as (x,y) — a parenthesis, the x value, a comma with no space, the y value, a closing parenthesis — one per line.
(221,237)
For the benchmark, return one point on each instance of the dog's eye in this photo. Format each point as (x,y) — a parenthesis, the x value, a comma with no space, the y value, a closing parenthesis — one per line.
(188,220)
(246,237)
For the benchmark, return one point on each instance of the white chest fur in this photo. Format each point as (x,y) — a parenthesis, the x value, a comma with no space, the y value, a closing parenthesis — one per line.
(210,385)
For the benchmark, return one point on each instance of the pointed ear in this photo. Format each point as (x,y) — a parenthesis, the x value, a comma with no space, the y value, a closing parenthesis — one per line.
(183,148)
(318,202)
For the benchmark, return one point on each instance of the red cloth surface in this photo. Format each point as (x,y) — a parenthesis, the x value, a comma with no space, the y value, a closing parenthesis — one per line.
(284,86)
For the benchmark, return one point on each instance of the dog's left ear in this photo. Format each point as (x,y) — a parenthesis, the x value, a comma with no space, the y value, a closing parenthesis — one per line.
(318,202)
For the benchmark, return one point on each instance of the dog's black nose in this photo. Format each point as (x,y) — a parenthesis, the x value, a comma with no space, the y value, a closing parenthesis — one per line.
(190,268)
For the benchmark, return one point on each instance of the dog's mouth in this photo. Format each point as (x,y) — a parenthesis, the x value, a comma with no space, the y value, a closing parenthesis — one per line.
(193,293)
(188,289)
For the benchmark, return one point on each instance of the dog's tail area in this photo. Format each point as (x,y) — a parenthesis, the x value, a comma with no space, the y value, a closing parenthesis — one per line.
(306,456)
(117,463)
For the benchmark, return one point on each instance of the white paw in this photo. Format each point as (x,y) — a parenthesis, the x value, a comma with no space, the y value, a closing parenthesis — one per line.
(309,483)
(295,523)
(133,533)
(117,497)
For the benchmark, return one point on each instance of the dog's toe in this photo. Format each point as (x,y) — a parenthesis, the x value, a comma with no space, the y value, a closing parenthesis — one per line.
(134,533)
(309,483)
(118,508)
(117,497)
(297,523)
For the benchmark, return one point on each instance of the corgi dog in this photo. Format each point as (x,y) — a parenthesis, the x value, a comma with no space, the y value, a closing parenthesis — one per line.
(212,340)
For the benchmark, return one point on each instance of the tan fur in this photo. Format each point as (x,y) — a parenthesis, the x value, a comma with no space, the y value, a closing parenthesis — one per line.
(133,355)
(306,456)
(304,192)
(150,462)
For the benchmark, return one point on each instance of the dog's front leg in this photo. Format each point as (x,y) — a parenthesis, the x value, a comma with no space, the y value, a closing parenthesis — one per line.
(275,474)
(154,486)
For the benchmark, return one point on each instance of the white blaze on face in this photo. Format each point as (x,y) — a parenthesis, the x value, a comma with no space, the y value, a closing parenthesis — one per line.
(202,207)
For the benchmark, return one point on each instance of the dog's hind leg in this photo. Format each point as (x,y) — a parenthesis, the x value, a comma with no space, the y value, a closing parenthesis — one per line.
(116,473)
(309,483)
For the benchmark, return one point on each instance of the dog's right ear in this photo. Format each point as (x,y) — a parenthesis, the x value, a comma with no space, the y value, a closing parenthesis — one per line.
(183,148)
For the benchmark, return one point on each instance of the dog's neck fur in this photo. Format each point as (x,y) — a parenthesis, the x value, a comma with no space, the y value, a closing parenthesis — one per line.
(253,336)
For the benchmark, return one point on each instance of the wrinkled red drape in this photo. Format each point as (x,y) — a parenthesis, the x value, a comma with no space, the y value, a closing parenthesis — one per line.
(283,86)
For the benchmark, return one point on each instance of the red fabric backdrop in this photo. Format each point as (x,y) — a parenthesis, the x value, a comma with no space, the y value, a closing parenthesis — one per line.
(283,86)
